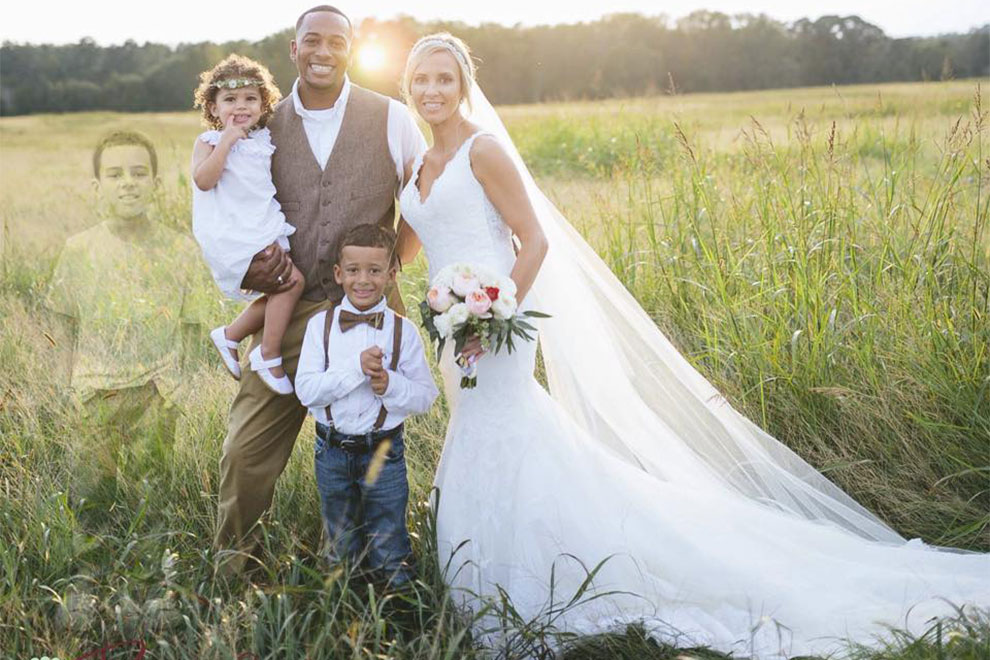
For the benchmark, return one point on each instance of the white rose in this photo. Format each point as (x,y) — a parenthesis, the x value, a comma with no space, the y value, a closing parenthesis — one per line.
(458,314)
(464,283)
(442,324)
(461,269)
(505,306)
(485,276)
(444,278)
(506,284)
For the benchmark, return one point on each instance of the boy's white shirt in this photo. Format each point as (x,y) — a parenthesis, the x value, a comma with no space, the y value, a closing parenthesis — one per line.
(405,140)
(345,387)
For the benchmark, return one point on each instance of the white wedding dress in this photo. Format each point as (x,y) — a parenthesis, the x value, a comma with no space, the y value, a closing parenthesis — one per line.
(704,544)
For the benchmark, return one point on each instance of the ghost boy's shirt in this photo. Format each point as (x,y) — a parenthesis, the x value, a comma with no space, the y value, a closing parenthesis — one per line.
(346,388)
(130,299)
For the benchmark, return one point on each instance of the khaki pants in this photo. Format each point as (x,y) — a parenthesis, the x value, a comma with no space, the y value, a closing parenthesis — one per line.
(261,432)
(133,419)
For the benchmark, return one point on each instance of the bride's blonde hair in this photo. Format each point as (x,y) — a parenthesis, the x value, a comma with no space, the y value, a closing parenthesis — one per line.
(434,43)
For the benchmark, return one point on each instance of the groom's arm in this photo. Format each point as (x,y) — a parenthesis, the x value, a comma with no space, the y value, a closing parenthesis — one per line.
(315,386)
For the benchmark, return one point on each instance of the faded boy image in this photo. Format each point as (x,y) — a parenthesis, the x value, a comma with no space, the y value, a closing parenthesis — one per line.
(131,298)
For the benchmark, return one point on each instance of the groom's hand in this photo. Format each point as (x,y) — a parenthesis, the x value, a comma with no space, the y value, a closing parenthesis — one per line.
(265,270)
(371,362)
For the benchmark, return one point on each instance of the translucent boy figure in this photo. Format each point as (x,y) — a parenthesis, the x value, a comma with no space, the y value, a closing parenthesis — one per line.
(362,371)
(133,302)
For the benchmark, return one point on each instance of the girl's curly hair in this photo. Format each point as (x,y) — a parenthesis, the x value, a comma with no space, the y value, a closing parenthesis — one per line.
(235,67)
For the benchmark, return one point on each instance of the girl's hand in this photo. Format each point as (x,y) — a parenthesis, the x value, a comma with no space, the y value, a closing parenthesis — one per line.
(232,132)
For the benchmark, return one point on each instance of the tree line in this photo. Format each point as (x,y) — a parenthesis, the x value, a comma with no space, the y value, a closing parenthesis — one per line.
(618,55)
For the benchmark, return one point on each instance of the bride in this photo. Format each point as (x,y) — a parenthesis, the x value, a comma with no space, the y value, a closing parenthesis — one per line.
(712,532)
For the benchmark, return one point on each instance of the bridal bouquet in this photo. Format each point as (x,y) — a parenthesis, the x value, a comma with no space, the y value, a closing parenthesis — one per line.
(464,301)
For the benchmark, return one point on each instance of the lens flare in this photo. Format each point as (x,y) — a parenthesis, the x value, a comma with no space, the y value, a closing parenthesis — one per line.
(371,57)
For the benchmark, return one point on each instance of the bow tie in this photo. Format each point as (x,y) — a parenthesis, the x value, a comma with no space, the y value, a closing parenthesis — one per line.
(349,319)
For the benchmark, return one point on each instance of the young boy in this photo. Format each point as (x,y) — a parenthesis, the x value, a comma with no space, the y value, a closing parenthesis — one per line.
(361,372)
(131,299)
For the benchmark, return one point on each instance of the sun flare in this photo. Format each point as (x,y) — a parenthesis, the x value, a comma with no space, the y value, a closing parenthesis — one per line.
(371,57)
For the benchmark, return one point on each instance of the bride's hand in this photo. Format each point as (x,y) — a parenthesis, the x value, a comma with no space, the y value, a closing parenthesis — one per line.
(472,349)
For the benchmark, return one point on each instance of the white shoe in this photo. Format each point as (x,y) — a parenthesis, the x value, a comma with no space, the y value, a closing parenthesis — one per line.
(223,347)
(278,384)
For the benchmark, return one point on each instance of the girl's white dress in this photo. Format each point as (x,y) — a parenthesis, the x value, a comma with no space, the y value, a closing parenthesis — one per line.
(239,216)
(526,495)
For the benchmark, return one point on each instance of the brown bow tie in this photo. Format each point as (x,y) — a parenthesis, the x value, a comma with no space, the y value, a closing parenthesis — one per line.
(349,319)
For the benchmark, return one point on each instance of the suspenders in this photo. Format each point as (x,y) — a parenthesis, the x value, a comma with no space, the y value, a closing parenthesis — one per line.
(396,344)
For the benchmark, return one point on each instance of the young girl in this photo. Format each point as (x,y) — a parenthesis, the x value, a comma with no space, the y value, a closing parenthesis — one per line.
(235,214)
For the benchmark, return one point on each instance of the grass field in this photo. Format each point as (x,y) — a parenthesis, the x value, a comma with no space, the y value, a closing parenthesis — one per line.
(821,255)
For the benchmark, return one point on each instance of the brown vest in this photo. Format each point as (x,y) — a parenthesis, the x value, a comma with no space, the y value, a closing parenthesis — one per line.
(359,184)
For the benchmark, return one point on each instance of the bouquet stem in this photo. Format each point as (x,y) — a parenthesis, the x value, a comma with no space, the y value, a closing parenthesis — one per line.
(469,373)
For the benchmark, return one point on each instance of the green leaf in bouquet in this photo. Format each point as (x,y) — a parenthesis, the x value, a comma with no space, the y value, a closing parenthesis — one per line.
(522,333)
(502,333)
(427,315)
(460,338)
(536,315)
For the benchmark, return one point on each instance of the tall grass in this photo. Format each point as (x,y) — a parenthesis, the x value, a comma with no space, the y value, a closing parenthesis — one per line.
(821,255)
(837,286)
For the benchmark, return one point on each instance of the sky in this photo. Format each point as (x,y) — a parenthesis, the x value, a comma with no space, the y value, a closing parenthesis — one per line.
(175,21)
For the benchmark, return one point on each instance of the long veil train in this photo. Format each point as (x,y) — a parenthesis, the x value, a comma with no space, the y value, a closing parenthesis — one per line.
(708,525)
(621,380)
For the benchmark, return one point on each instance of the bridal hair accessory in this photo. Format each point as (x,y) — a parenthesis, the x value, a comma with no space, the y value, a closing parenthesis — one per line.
(465,301)
(442,43)
(235,83)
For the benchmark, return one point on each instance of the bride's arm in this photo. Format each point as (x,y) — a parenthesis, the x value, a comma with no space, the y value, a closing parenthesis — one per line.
(503,185)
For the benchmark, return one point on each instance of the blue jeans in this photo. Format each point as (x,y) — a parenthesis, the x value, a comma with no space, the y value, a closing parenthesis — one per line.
(366,521)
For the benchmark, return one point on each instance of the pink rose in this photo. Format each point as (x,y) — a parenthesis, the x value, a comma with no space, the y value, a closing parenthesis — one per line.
(464,284)
(440,299)
(478,302)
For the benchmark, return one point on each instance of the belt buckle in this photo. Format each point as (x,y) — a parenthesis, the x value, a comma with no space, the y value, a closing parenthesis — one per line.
(349,445)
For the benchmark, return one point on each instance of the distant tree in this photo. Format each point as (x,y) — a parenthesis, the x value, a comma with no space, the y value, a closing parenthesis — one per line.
(619,55)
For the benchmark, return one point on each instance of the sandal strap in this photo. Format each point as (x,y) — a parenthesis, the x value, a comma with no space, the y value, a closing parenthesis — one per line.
(266,364)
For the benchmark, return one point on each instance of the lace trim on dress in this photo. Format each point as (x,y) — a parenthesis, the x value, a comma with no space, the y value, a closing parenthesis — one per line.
(257,143)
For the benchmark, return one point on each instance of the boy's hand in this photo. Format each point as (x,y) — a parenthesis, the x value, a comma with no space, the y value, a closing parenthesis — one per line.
(371,362)
(380,383)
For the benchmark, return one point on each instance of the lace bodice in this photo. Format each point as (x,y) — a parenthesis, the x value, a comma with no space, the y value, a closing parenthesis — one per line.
(457,222)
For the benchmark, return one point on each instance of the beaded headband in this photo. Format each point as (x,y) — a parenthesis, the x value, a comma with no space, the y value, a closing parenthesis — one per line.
(446,45)
(234,83)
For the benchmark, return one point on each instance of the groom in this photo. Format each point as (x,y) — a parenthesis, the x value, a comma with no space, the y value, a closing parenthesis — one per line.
(342,154)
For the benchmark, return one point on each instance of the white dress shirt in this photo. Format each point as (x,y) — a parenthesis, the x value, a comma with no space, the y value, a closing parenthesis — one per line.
(344,386)
(405,140)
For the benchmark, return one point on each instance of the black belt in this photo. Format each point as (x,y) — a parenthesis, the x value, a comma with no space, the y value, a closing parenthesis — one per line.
(355,444)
